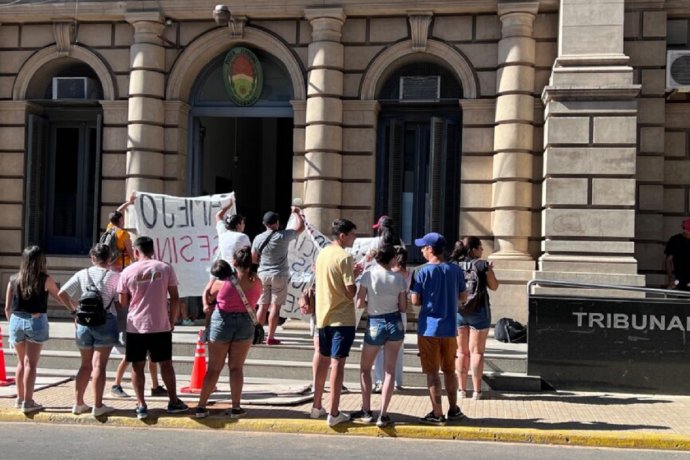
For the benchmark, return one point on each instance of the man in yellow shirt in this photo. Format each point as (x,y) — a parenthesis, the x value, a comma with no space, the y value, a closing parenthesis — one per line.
(335,316)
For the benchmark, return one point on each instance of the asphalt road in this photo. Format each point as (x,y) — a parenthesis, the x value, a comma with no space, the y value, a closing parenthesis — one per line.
(32,441)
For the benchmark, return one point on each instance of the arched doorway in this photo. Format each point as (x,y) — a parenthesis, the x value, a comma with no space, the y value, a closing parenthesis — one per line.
(247,149)
(63,157)
(418,151)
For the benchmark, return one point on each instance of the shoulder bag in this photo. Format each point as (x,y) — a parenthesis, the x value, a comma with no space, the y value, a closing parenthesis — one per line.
(258,328)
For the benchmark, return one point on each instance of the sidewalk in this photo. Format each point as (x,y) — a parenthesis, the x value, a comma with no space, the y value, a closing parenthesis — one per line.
(569,418)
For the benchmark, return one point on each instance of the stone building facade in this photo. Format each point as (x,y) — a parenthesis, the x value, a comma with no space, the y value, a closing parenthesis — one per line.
(544,127)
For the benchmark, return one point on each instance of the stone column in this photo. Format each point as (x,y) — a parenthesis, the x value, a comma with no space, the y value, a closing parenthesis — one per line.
(590,139)
(146,117)
(513,135)
(324,117)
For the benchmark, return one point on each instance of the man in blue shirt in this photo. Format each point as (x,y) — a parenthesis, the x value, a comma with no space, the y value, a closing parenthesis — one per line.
(437,286)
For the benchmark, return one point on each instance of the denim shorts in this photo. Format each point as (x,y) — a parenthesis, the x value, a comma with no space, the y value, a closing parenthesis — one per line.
(230,327)
(336,341)
(23,326)
(103,336)
(478,320)
(384,328)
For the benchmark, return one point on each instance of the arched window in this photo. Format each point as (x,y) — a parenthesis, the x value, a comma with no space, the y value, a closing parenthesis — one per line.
(418,152)
(63,157)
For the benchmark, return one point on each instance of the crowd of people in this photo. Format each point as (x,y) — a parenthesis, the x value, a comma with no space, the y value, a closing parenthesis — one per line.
(139,298)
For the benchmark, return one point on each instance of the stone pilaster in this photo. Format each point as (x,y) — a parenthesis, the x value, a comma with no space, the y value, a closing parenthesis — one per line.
(513,135)
(590,139)
(324,117)
(146,117)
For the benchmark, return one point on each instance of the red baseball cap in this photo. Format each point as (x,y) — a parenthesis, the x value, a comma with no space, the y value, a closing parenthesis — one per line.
(383,220)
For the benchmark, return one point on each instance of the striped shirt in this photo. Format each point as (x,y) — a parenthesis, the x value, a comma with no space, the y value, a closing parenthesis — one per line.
(78,283)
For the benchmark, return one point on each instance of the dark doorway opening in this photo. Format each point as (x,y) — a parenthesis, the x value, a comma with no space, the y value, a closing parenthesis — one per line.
(250,156)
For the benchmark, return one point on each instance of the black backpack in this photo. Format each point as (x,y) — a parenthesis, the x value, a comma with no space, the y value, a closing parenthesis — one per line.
(90,308)
(475,292)
(508,330)
(109,238)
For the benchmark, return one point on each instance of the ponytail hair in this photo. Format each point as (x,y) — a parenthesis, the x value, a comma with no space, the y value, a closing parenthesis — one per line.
(462,248)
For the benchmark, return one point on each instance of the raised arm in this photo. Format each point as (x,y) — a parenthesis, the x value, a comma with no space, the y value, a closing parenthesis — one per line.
(221,214)
(123,207)
(300,220)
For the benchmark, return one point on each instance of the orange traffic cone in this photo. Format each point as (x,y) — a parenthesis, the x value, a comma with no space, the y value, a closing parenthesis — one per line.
(199,368)
(4,381)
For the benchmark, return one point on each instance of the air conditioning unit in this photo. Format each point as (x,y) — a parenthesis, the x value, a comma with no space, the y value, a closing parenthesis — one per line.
(74,88)
(678,70)
(420,89)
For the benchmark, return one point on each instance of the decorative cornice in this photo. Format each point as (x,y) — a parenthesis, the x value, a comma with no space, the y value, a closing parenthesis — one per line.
(419,27)
(64,31)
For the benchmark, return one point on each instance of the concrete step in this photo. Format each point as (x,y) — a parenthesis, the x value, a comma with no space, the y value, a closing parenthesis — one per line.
(505,364)
(288,370)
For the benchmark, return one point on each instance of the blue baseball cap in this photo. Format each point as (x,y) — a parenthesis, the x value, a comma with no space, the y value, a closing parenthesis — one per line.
(431,239)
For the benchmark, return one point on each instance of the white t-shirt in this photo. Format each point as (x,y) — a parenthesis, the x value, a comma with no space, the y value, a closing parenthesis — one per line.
(78,283)
(383,288)
(230,241)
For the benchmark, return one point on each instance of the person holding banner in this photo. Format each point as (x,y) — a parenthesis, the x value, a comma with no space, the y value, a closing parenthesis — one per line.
(232,329)
(270,251)
(123,242)
(230,229)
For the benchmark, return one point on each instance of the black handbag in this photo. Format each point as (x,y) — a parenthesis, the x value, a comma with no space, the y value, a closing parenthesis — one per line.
(258,328)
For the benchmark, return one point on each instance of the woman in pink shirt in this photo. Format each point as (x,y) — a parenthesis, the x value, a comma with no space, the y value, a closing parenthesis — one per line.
(231,329)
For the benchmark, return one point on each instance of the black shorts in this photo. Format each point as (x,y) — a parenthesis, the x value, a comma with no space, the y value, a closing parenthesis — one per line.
(158,345)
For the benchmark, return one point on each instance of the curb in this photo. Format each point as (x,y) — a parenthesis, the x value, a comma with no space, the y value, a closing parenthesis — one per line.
(611,439)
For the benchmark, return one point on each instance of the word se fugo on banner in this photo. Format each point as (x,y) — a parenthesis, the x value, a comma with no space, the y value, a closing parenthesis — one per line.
(183,230)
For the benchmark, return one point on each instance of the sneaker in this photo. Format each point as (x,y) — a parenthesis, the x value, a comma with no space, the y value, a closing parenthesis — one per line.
(477,395)
(337,419)
(79,409)
(159,391)
(455,414)
(31,406)
(177,407)
(317,413)
(100,411)
(188,322)
(201,412)
(142,412)
(118,392)
(272,342)
(365,416)
(399,388)
(384,421)
(377,388)
(18,403)
(431,419)
(462,394)
(236,412)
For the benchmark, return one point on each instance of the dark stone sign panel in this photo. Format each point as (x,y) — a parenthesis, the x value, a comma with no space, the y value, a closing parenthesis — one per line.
(626,345)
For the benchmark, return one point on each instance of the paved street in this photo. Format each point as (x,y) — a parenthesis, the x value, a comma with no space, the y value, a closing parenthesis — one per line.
(32,441)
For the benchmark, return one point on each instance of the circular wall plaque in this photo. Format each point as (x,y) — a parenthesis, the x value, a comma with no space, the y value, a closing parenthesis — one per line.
(243,76)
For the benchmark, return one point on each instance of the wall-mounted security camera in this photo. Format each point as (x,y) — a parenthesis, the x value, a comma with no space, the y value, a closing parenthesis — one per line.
(221,14)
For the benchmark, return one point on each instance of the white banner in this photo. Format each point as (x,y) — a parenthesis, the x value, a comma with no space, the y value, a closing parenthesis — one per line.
(183,230)
(301,257)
